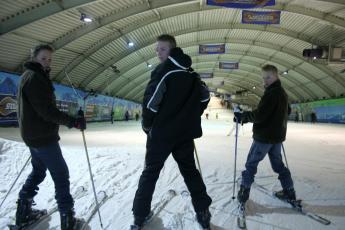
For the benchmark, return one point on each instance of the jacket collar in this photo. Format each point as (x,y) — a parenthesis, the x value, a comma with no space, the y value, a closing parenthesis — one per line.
(179,59)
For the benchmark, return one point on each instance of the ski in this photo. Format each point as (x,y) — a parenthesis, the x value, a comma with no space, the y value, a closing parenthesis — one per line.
(241,216)
(186,196)
(102,197)
(80,191)
(297,206)
(157,208)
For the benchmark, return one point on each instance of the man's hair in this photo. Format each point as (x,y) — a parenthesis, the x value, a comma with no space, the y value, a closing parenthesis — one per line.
(167,38)
(35,51)
(270,68)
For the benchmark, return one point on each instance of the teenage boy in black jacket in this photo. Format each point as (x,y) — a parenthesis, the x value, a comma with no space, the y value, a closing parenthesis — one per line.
(269,131)
(39,121)
(174,101)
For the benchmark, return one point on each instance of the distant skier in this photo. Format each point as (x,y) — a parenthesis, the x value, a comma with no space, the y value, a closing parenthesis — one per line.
(112,117)
(269,131)
(80,112)
(137,116)
(174,101)
(127,116)
(39,121)
(206,116)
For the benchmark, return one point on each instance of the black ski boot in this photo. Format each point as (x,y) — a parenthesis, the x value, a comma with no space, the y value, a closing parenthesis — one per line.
(25,214)
(204,218)
(288,195)
(69,222)
(139,221)
(243,195)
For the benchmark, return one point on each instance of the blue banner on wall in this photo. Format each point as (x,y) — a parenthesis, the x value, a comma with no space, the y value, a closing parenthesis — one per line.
(257,17)
(212,49)
(67,100)
(242,4)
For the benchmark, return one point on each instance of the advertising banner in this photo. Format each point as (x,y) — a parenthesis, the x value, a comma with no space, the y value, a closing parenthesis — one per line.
(212,49)
(257,17)
(97,108)
(241,4)
(327,111)
(228,65)
(206,75)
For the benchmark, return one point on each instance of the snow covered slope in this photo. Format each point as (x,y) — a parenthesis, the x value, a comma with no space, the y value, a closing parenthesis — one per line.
(315,153)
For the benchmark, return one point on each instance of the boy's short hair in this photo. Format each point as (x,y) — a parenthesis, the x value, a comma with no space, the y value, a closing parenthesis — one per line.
(167,38)
(38,48)
(270,68)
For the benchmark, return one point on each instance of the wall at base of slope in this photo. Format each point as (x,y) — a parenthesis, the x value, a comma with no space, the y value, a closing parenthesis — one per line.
(327,111)
(97,108)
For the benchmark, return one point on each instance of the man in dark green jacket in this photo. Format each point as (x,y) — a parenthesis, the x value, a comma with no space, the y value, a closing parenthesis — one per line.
(39,121)
(269,131)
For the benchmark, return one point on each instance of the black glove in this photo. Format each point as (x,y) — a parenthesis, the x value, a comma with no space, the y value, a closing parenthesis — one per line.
(237,117)
(145,129)
(80,123)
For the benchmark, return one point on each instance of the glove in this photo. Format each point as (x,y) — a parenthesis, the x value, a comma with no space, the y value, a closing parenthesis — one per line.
(80,123)
(238,117)
(145,129)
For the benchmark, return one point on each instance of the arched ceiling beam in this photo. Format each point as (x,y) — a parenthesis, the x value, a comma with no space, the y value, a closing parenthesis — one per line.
(138,84)
(248,78)
(39,11)
(100,44)
(194,56)
(329,92)
(282,63)
(154,4)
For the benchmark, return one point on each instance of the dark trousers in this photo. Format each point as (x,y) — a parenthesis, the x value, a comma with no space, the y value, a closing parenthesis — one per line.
(156,154)
(43,158)
(256,154)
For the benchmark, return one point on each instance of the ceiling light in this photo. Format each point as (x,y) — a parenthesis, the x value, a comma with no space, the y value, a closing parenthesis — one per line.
(286,72)
(130,44)
(85,18)
(149,65)
(314,58)
(254,87)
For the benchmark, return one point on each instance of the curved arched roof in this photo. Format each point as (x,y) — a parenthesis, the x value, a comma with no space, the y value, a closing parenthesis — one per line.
(86,52)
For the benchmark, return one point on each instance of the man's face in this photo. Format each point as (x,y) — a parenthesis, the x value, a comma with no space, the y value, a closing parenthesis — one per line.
(268,78)
(44,57)
(163,50)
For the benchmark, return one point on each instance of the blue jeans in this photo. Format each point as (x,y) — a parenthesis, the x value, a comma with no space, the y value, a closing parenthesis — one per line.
(256,154)
(43,158)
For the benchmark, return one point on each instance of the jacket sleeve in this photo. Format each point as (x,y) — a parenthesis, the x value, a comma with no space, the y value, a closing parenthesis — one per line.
(204,97)
(153,97)
(262,113)
(37,94)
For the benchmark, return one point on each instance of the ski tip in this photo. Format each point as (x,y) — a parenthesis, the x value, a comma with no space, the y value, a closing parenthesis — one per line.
(172,192)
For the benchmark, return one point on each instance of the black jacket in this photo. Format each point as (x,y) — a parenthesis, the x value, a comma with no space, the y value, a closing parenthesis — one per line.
(174,100)
(38,116)
(270,117)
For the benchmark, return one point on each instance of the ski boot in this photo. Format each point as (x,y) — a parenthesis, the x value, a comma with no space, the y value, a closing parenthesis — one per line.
(204,218)
(288,195)
(139,222)
(25,214)
(69,222)
(243,195)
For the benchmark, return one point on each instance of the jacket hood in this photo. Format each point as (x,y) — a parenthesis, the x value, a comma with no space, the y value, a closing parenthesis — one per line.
(37,67)
(180,59)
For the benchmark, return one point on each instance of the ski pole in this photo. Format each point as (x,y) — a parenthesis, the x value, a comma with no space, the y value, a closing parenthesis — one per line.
(15,181)
(285,156)
(197,159)
(92,181)
(234,184)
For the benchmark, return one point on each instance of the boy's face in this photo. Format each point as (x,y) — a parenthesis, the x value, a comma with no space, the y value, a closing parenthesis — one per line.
(44,57)
(268,78)
(163,50)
